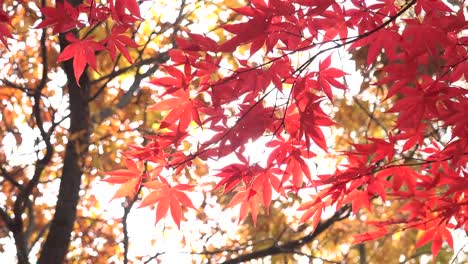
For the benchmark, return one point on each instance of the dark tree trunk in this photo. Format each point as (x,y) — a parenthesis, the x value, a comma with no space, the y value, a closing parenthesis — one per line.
(362,254)
(57,242)
(21,248)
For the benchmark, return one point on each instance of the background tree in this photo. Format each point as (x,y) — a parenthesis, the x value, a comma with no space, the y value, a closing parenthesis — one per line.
(243,82)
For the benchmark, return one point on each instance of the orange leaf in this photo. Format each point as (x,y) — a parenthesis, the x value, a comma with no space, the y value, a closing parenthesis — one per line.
(183,199)
(237,199)
(370,235)
(152,198)
(425,238)
(254,204)
(316,218)
(436,245)
(128,189)
(161,211)
(83,53)
(267,193)
(176,211)
(155,185)
(243,210)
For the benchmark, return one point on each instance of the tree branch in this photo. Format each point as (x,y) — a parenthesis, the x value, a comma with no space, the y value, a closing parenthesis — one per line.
(127,97)
(127,210)
(6,218)
(57,242)
(291,246)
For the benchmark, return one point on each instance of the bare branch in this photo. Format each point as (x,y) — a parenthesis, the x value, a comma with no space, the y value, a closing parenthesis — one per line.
(39,236)
(369,114)
(153,257)
(6,218)
(127,97)
(10,178)
(127,209)
(292,246)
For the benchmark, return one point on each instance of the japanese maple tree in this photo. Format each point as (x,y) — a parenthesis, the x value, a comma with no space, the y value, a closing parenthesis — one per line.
(273,82)
(408,163)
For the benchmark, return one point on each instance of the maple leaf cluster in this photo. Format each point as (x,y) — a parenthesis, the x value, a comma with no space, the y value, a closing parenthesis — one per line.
(65,19)
(5,31)
(433,188)
(197,92)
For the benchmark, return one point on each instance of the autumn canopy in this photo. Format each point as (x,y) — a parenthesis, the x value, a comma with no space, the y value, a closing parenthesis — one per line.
(261,111)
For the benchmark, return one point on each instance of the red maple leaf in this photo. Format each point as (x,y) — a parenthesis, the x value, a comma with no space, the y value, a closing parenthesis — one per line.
(430,5)
(427,100)
(62,18)
(265,182)
(385,8)
(167,197)
(253,122)
(296,168)
(177,80)
(4,30)
(233,174)
(82,52)
(333,23)
(249,200)
(254,29)
(383,39)
(130,178)
(361,238)
(306,119)
(243,81)
(435,235)
(378,149)
(182,110)
(125,11)
(400,176)
(327,78)
(96,12)
(118,40)
(197,42)
(313,210)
